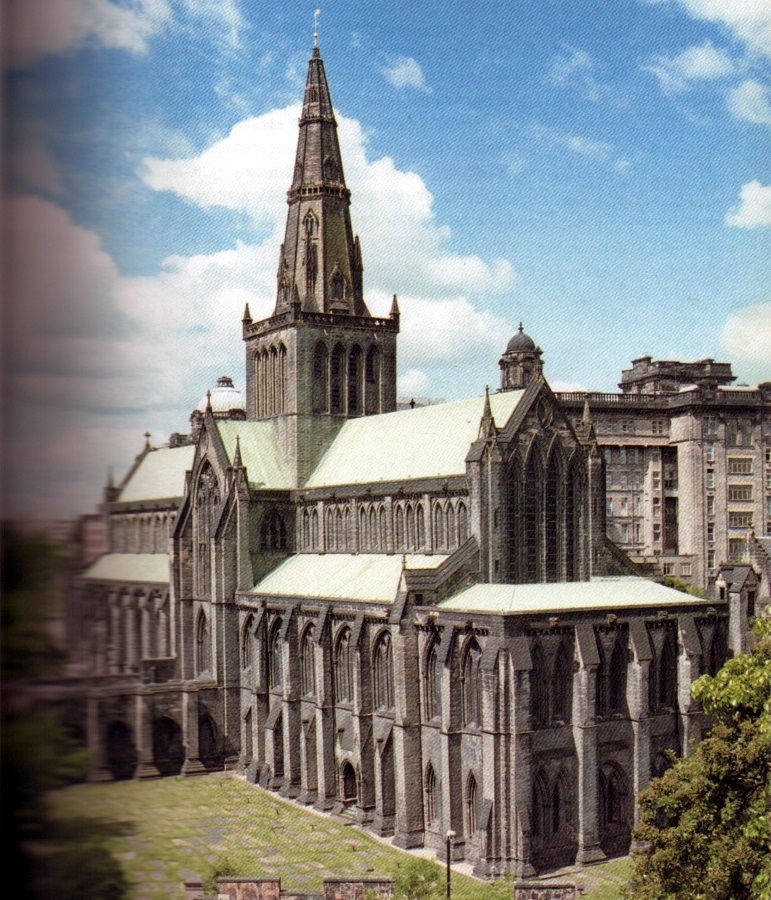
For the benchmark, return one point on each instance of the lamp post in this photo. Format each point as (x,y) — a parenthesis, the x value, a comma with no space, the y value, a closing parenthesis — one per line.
(450,837)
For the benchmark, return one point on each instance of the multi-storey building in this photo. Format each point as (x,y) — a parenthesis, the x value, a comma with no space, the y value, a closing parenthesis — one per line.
(688,464)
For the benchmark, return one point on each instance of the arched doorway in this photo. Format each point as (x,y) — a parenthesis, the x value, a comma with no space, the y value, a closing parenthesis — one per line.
(121,752)
(348,784)
(168,753)
(209,750)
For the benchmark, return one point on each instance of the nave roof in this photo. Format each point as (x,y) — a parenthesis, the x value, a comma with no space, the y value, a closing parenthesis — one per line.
(367,577)
(426,442)
(160,475)
(145,568)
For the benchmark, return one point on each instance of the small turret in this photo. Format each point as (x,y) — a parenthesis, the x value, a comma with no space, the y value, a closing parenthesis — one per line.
(521,362)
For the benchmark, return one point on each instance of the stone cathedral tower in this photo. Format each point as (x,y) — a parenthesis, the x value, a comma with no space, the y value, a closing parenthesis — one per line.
(321,357)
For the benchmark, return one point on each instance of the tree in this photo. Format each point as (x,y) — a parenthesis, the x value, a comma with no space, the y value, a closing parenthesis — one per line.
(418,879)
(706,823)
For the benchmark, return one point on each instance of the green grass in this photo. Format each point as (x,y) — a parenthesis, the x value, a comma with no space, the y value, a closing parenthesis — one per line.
(167,831)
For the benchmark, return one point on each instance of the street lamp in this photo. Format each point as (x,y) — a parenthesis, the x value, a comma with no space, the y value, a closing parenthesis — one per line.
(450,837)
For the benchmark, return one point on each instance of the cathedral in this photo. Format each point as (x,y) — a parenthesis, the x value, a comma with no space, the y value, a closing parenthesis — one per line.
(412,618)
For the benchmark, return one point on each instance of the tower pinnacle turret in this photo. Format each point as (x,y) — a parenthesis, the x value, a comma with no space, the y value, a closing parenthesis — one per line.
(320,262)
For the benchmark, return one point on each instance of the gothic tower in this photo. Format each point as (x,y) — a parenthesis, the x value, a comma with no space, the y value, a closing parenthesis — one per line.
(321,357)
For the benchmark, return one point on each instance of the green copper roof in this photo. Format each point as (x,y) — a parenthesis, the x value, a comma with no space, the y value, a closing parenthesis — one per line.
(143,567)
(342,576)
(159,476)
(606,594)
(427,442)
(259,452)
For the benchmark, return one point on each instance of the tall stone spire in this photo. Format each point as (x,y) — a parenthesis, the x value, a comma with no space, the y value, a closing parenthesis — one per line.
(320,264)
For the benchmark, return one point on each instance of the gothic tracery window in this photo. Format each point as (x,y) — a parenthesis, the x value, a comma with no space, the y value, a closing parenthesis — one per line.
(307,662)
(275,664)
(429,793)
(471,813)
(207,501)
(273,532)
(471,683)
(343,667)
(431,682)
(383,672)
(202,644)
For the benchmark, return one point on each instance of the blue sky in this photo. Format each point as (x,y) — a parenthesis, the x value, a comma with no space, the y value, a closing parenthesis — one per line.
(598,170)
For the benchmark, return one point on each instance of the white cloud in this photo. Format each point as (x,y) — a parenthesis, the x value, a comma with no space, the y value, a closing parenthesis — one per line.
(746,339)
(40,28)
(704,63)
(589,148)
(750,102)
(414,383)
(574,67)
(749,21)
(404,71)
(754,208)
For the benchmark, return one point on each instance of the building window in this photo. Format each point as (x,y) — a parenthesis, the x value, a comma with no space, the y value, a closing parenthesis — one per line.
(668,568)
(624,534)
(471,807)
(624,506)
(343,667)
(739,433)
(622,454)
(711,558)
(638,533)
(609,507)
(710,505)
(246,644)
(709,452)
(659,426)
(768,452)
(202,645)
(768,481)
(383,667)
(656,481)
(608,481)
(710,532)
(624,481)
(670,479)
(275,667)
(685,569)
(272,532)
(735,549)
(627,427)
(638,505)
(739,466)
(656,533)
(657,507)
(710,479)
(471,684)
(429,794)
(307,663)
(709,425)
(740,492)
(608,455)
(610,693)
(740,520)
(431,683)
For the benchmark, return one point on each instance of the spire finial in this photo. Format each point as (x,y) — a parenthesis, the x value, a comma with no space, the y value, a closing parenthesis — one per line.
(521,329)
(147,439)
(316,29)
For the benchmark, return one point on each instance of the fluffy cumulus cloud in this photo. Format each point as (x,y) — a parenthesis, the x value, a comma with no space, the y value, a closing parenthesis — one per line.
(98,357)
(749,21)
(746,339)
(702,63)
(750,102)
(404,71)
(754,207)
(38,28)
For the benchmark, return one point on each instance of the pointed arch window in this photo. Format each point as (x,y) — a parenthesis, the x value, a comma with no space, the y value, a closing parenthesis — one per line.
(336,284)
(336,378)
(306,530)
(471,683)
(202,644)
(552,507)
(462,522)
(314,528)
(666,672)
(247,655)
(450,526)
(533,523)
(539,687)
(275,664)
(429,795)
(561,688)
(373,536)
(574,517)
(354,382)
(438,528)
(372,381)
(344,667)
(399,529)
(206,503)
(307,662)
(383,667)
(420,537)
(383,530)
(617,678)
(320,386)
(471,817)
(410,527)
(431,682)
(363,535)
(273,532)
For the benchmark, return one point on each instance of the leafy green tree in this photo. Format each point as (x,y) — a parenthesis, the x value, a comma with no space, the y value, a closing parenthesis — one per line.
(706,823)
(418,879)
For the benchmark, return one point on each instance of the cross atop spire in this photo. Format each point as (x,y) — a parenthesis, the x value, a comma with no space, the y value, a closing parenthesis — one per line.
(316,29)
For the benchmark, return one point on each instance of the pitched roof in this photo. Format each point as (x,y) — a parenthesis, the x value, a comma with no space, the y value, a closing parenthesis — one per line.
(159,476)
(342,576)
(150,568)
(426,442)
(260,452)
(605,594)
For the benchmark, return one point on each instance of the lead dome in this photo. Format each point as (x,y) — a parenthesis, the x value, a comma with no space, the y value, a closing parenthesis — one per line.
(520,342)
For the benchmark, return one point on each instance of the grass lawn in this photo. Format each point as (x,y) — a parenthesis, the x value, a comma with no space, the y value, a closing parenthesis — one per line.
(169,830)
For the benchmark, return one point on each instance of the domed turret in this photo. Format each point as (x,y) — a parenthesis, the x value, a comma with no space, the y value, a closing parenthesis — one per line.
(521,362)
(225,402)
